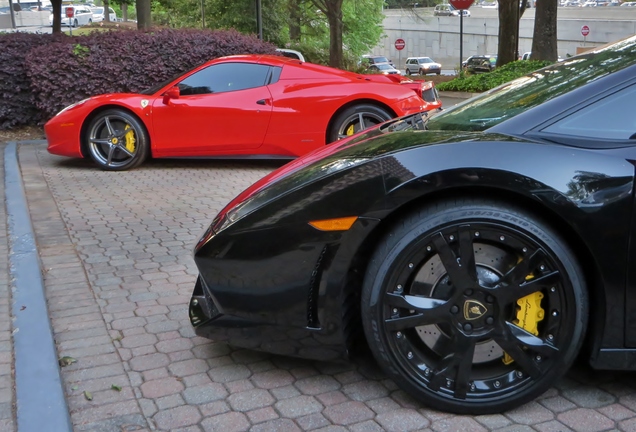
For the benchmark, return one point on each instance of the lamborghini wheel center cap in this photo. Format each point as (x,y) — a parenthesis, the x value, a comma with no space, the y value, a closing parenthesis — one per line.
(474,310)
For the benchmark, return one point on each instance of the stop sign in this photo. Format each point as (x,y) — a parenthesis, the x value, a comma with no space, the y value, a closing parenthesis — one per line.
(461,4)
(585,30)
(399,44)
(69,12)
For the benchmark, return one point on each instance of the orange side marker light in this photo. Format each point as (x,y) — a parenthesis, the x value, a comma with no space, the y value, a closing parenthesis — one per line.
(337,224)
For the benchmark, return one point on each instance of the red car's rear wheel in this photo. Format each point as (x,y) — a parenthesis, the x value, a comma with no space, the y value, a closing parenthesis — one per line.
(355,119)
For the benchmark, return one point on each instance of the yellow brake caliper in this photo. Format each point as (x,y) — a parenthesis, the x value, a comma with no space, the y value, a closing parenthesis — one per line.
(350,130)
(529,315)
(130,139)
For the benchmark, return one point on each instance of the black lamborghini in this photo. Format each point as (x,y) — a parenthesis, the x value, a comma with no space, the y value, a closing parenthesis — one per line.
(477,251)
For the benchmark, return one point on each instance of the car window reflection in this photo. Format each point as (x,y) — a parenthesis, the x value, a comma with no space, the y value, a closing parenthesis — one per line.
(225,77)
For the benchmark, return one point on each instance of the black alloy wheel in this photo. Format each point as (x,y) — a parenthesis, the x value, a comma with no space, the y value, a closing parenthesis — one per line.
(355,119)
(117,140)
(474,307)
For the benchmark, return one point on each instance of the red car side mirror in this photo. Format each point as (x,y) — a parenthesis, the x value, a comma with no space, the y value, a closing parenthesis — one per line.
(171,93)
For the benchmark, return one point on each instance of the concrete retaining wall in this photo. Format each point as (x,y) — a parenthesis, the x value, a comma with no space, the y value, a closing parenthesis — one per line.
(438,37)
(25,19)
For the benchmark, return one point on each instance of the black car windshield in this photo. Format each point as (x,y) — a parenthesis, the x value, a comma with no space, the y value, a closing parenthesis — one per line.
(526,92)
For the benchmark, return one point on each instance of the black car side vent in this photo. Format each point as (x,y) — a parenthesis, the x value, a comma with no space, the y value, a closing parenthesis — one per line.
(312,298)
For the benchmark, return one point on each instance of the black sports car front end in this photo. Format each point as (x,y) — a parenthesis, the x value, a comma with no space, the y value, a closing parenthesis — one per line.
(475,251)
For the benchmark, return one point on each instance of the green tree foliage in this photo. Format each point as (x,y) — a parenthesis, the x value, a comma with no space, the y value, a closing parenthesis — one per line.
(296,24)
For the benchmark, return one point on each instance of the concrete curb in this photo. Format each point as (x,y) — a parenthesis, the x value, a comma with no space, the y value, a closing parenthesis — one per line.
(40,399)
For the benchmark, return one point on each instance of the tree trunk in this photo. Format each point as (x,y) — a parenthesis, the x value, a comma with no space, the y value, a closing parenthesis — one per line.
(143,14)
(294,20)
(57,16)
(106,11)
(508,27)
(333,11)
(124,11)
(544,38)
(335,37)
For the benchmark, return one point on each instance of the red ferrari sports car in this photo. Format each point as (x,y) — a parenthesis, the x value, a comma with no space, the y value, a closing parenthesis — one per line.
(238,106)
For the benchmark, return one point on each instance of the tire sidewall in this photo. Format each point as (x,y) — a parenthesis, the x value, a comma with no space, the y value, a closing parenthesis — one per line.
(420,224)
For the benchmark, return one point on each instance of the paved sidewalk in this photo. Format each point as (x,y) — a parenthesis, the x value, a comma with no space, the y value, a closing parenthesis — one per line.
(116,255)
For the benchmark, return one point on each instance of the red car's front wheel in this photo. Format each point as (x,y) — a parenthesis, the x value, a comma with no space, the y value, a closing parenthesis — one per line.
(117,140)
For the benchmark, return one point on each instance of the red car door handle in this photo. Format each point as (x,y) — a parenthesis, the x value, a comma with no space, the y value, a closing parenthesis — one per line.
(262,102)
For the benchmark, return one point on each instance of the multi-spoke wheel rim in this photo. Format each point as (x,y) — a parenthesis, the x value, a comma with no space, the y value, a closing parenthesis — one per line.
(358,122)
(451,311)
(113,141)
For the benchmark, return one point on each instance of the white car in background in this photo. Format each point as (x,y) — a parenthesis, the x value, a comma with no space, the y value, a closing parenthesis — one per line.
(98,14)
(82,15)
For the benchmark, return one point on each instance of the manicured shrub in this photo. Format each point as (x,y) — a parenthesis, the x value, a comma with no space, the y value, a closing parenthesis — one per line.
(477,83)
(49,73)
(17,102)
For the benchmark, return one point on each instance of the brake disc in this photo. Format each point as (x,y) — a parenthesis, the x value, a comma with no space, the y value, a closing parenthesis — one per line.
(492,263)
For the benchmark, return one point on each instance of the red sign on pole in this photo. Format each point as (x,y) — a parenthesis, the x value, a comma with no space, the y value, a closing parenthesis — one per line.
(70,12)
(400,44)
(585,30)
(461,4)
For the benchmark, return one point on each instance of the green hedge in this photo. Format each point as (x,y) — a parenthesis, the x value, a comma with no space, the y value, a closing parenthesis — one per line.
(477,83)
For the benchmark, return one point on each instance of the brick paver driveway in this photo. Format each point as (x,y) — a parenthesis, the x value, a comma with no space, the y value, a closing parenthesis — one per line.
(116,251)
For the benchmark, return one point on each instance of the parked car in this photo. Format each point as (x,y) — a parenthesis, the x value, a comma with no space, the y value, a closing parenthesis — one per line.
(480,63)
(237,106)
(291,53)
(526,56)
(82,15)
(422,66)
(383,68)
(629,4)
(443,10)
(478,251)
(98,14)
(368,60)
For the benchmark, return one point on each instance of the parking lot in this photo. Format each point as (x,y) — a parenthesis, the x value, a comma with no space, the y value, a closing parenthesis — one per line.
(115,249)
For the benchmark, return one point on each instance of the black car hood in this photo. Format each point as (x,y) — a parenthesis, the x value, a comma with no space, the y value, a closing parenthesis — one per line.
(377,142)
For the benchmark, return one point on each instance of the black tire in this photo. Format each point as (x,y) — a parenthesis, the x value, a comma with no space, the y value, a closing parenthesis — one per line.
(439,73)
(440,311)
(116,140)
(421,72)
(75,23)
(408,72)
(356,118)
